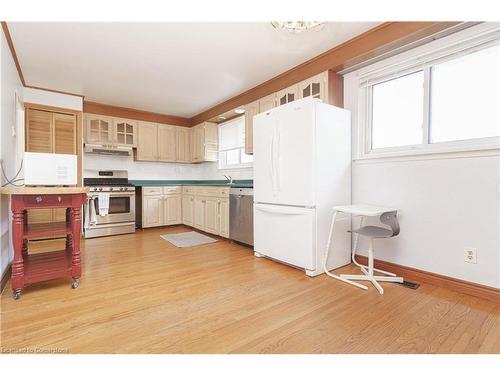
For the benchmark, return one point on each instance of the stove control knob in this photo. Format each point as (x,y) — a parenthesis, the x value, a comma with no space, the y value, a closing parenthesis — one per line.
(100,189)
(122,189)
(110,189)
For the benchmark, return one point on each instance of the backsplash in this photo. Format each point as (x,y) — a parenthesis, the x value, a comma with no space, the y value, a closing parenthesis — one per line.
(138,170)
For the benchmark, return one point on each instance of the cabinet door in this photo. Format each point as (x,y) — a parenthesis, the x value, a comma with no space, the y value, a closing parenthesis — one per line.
(251,110)
(64,134)
(147,142)
(183,136)
(210,141)
(152,211)
(199,213)
(166,143)
(125,132)
(172,213)
(224,217)
(39,131)
(188,210)
(315,86)
(287,95)
(197,143)
(99,130)
(267,102)
(212,215)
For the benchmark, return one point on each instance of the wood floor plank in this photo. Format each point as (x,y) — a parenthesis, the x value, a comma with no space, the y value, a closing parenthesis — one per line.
(141,294)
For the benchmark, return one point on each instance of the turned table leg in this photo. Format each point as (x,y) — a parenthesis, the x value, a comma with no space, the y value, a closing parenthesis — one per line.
(18,243)
(76,268)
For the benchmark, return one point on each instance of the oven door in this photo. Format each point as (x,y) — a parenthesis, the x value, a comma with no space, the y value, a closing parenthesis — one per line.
(121,208)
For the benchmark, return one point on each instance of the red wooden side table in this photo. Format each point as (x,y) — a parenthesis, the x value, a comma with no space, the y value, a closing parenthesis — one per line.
(32,268)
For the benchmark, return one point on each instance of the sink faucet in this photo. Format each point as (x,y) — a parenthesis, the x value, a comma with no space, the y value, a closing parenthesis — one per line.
(229,179)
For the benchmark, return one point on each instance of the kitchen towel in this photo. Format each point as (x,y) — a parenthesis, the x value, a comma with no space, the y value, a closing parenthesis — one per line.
(103,203)
(188,239)
(86,214)
(93,215)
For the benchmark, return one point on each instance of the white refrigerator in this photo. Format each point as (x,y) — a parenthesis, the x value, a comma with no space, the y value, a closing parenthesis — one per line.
(302,168)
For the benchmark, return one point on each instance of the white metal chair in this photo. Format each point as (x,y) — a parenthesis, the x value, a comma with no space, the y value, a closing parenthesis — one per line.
(390,219)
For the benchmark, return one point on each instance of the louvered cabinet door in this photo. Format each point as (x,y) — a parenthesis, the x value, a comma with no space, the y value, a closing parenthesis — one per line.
(64,134)
(39,131)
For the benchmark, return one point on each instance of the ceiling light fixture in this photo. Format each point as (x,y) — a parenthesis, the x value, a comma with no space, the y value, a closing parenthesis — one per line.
(239,110)
(298,26)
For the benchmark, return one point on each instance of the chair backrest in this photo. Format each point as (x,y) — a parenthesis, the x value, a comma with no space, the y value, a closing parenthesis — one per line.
(391,219)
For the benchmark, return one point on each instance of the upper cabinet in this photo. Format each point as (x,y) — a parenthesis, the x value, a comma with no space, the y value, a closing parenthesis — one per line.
(205,142)
(327,86)
(110,131)
(98,129)
(264,104)
(183,137)
(287,95)
(315,86)
(125,132)
(167,149)
(147,146)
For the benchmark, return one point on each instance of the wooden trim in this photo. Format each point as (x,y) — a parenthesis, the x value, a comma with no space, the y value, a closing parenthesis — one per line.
(374,42)
(13,51)
(5,277)
(134,114)
(49,108)
(56,91)
(335,89)
(457,285)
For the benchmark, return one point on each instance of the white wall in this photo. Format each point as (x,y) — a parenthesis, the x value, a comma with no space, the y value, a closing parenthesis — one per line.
(53,99)
(10,84)
(161,171)
(446,204)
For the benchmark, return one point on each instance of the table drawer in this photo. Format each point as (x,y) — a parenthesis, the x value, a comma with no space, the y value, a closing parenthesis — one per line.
(55,200)
(152,190)
(172,190)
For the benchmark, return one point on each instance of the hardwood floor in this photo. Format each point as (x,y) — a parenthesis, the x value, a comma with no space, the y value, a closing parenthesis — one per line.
(140,294)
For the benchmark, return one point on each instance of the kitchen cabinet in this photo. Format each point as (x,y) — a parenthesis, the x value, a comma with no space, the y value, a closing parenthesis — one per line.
(99,130)
(264,104)
(161,206)
(315,86)
(183,140)
(205,142)
(147,146)
(287,95)
(188,209)
(211,212)
(166,143)
(224,217)
(48,131)
(199,213)
(125,132)
(251,110)
(152,211)
(110,131)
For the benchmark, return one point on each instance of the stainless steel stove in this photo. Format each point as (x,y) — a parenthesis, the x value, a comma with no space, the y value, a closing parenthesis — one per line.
(120,217)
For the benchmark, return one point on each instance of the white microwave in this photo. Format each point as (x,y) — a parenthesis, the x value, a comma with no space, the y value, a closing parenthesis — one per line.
(49,169)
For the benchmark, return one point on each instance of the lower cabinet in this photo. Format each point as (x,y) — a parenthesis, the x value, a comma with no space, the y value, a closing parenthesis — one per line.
(204,208)
(161,206)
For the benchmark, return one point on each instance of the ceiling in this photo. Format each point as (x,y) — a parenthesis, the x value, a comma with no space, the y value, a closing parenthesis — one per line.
(179,69)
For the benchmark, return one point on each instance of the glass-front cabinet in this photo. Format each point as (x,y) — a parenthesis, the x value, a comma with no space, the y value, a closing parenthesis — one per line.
(109,131)
(315,86)
(126,132)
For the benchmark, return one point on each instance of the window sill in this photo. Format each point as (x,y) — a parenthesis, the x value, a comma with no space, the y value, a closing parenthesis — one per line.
(426,154)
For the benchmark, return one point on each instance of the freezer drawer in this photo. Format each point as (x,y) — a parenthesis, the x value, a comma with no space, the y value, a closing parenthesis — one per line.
(286,234)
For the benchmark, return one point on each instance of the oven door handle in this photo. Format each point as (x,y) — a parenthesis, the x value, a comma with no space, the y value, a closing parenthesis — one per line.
(113,194)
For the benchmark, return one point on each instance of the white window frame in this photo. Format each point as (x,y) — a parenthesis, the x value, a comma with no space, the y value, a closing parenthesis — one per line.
(422,59)
(221,163)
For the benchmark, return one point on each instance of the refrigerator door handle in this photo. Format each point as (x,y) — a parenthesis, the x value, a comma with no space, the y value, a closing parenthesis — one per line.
(273,161)
(280,210)
(277,167)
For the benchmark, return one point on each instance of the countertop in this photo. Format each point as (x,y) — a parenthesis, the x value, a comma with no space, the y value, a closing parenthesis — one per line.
(39,190)
(235,184)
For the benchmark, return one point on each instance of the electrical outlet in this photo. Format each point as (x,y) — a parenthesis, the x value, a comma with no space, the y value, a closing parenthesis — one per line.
(470,255)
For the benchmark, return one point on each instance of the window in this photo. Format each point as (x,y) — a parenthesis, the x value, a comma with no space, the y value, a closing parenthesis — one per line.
(444,100)
(232,145)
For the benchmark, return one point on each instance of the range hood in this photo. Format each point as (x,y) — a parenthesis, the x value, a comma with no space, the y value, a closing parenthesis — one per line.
(108,150)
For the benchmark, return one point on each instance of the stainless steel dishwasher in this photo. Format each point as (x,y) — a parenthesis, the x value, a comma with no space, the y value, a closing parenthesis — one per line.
(241,215)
